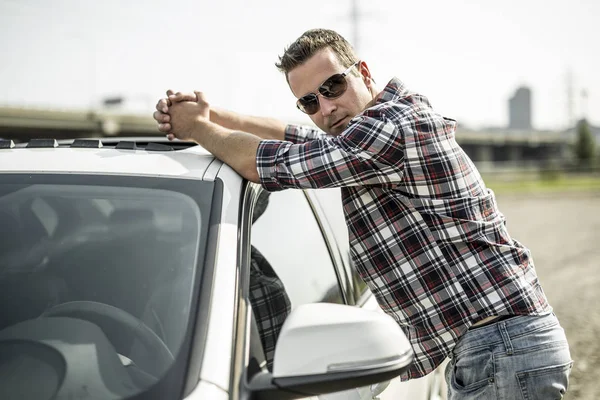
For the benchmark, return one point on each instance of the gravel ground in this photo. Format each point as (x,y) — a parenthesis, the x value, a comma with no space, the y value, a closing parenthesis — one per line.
(563,233)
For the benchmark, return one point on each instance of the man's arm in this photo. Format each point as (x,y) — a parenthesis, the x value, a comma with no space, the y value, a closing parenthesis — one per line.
(302,134)
(265,128)
(370,152)
(235,148)
(189,121)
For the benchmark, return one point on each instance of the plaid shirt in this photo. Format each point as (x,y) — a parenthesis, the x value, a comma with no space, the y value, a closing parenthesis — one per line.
(425,233)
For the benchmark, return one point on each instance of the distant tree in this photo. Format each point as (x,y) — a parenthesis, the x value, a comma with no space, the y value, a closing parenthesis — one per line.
(585,146)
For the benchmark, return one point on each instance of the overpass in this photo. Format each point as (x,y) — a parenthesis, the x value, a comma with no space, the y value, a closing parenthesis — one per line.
(487,148)
(508,148)
(21,124)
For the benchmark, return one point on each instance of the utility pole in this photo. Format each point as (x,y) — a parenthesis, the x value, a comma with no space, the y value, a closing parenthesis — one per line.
(570,100)
(357,18)
(355,25)
(584,98)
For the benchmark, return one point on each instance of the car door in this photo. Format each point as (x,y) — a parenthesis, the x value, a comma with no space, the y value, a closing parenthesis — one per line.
(300,245)
(291,255)
(328,206)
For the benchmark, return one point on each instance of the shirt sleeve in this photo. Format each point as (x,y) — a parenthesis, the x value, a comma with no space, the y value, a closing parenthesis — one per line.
(301,134)
(369,152)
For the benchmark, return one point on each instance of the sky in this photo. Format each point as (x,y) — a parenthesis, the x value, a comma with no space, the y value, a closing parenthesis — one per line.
(467,57)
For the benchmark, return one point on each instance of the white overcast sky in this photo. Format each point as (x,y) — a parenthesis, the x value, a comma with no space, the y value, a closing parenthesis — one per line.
(468,57)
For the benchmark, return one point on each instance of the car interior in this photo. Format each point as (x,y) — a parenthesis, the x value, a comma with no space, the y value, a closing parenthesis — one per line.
(100,261)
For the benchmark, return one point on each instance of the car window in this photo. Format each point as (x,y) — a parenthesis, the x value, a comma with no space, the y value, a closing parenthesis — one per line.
(290,263)
(289,237)
(115,257)
(331,204)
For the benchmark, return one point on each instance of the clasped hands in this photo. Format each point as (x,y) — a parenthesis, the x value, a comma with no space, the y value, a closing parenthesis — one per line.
(178,114)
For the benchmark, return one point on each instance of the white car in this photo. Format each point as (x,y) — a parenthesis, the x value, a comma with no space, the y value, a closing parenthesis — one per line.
(142,268)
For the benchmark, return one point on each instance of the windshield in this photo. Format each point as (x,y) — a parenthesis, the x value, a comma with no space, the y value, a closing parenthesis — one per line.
(97,278)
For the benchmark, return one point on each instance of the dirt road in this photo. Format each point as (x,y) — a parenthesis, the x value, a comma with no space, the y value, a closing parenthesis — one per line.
(563,233)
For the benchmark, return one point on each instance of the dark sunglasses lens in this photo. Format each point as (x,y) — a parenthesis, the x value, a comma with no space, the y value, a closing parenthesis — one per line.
(333,87)
(308,104)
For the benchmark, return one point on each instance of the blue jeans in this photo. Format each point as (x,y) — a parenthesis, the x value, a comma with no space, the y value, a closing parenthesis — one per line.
(521,358)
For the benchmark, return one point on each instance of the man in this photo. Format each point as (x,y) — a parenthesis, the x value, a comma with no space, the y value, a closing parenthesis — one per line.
(426,234)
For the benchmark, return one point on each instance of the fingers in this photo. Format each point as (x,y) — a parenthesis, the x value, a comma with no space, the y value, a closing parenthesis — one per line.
(179,96)
(200,97)
(160,117)
(203,104)
(162,109)
(163,120)
(164,127)
(163,105)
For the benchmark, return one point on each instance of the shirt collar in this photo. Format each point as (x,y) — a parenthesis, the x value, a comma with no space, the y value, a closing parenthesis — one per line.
(393,90)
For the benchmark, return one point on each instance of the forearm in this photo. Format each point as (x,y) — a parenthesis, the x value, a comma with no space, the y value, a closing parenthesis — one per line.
(237,149)
(265,128)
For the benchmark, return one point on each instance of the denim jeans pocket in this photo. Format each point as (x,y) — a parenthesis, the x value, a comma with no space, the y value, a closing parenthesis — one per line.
(547,383)
(472,371)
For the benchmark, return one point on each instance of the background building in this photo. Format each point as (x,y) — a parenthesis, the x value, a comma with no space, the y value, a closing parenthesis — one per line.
(519,109)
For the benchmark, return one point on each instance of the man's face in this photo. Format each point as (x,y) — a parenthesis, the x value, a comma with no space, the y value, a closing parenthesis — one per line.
(334,114)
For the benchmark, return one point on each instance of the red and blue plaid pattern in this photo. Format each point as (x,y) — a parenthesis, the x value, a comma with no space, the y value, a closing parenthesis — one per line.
(426,234)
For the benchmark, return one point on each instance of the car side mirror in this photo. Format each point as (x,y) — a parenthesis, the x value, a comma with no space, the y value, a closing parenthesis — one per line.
(325,348)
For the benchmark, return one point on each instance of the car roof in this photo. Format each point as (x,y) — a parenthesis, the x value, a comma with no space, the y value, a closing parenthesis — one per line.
(152,156)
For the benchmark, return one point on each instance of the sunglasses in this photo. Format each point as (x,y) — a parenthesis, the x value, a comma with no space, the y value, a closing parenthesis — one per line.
(333,87)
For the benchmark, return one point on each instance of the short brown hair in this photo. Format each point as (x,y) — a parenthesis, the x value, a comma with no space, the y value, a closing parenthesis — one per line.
(312,41)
